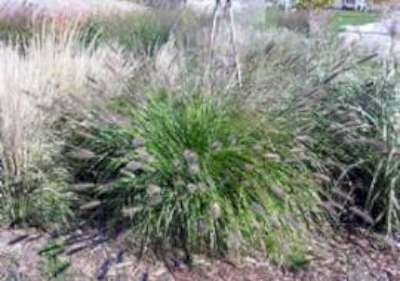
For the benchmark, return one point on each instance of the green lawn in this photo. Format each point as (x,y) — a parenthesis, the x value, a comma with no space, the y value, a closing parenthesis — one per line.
(343,18)
(338,19)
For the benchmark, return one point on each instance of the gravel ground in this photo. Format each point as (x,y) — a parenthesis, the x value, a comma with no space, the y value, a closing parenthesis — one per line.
(345,256)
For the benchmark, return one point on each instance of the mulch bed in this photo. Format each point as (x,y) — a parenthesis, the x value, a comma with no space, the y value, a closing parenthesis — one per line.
(356,256)
(344,256)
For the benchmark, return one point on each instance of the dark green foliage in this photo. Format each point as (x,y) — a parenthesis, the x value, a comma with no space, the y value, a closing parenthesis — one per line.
(137,32)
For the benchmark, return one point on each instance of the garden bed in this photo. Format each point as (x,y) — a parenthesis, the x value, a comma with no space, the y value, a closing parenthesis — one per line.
(166,146)
(90,255)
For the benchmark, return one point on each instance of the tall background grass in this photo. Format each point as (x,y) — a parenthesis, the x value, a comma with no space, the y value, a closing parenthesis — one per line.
(55,69)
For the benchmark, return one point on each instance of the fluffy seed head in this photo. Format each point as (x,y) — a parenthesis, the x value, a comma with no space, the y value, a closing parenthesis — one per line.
(278,192)
(258,148)
(82,154)
(216,210)
(153,190)
(232,140)
(194,169)
(91,205)
(216,145)
(192,188)
(321,178)
(191,157)
(134,166)
(130,212)
(137,143)
(272,157)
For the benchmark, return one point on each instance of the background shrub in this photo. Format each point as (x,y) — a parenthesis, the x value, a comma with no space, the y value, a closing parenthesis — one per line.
(297,21)
(145,33)
(161,4)
(134,32)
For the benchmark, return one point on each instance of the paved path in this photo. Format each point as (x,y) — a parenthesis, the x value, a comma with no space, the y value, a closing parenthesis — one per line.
(382,37)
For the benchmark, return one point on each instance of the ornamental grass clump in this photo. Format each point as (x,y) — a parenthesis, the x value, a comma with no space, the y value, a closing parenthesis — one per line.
(193,172)
(37,87)
(357,135)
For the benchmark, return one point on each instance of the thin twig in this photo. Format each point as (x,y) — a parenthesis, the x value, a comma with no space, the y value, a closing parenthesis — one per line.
(233,43)
(213,34)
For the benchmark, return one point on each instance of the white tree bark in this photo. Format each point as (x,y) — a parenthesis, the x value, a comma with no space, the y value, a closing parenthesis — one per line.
(223,10)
